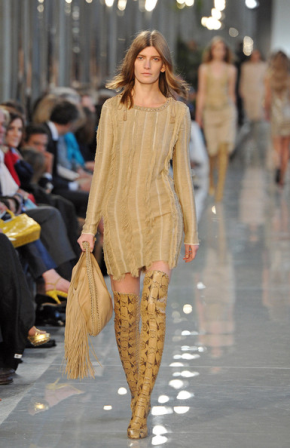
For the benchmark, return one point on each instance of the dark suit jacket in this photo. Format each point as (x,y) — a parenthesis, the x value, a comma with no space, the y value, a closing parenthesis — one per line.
(58,182)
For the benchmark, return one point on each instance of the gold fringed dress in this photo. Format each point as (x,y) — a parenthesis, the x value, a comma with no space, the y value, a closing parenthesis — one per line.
(145,211)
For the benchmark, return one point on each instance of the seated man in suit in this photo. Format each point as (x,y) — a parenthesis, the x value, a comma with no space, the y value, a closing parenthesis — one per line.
(66,183)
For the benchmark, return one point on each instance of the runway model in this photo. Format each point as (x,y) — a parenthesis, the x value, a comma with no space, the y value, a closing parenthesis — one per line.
(277,105)
(252,86)
(145,211)
(216,110)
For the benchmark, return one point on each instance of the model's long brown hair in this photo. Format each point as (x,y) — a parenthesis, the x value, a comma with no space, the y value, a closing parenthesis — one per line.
(279,71)
(207,55)
(169,83)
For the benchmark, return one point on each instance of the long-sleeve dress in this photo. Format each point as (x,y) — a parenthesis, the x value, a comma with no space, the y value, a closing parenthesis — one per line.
(145,211)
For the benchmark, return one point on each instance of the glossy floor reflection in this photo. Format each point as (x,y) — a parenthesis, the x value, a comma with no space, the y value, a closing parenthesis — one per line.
(225,375)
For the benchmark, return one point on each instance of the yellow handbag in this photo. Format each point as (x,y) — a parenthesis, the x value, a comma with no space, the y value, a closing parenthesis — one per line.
(20,229)
(89,308)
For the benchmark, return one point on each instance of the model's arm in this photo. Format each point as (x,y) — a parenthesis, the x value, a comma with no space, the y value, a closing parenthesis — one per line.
(101,172)
(232,83)
(201,93)
(183,181)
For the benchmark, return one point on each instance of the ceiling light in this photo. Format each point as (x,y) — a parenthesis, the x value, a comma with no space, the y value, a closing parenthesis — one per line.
(233,32)
(122,5)
(150,5)
(252,4)
(220,4)
(216,13)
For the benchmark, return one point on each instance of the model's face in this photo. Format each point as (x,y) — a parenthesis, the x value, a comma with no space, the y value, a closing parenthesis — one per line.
(38,142)
(148,66)
(255,56)
(14,133)
(218,51)
(2,127)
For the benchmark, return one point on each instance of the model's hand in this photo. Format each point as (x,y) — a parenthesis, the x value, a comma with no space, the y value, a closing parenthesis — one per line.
(198,119)
(89,238)
(190,252)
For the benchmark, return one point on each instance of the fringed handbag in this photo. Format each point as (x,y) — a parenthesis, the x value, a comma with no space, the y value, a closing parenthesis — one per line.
(89,309)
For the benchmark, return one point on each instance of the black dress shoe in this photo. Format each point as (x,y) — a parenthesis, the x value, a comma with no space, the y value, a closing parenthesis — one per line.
(49,314)
(5,380)
(6,371)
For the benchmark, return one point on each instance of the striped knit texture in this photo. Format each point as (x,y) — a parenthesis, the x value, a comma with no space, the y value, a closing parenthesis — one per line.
(145,211)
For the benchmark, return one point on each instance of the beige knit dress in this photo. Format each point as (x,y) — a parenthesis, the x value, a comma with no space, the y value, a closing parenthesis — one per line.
(219,114)
(145,211)
(252,88)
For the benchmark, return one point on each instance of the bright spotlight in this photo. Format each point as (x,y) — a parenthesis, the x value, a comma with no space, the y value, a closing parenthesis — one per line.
(150,5)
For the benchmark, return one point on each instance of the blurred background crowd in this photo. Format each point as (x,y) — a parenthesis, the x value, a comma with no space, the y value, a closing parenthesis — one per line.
(52,87)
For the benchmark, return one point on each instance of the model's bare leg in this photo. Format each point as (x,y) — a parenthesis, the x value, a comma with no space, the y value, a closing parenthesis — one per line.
(153,306)
(223,158)
(284,158)
(128,284)
(277,145)
(127,316)
(212,165)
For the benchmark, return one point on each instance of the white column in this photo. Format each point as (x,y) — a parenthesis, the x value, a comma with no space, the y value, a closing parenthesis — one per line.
(280,26)
(5,47)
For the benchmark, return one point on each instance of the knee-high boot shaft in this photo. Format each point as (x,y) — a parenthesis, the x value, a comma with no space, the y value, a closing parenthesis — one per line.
(152,336)
(223,158)
(127,336)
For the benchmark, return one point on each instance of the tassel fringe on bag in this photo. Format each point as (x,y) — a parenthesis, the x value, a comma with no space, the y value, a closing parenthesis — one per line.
(89,309)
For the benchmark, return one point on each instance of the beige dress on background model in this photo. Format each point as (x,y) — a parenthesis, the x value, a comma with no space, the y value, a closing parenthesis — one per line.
(145,211)
(252,89)
(219,114)
(280,112)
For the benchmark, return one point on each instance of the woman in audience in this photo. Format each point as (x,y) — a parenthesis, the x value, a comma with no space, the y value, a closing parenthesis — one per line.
(17,314)
(53,238)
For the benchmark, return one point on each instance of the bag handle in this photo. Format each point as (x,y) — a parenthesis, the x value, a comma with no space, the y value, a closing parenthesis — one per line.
(9,213)
(92,286)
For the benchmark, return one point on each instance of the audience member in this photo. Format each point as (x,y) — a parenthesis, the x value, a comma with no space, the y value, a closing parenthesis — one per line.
(63,253)
(17,314)
(62,118)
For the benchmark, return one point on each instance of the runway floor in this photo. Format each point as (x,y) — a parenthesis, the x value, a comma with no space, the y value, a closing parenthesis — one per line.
(225,375)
